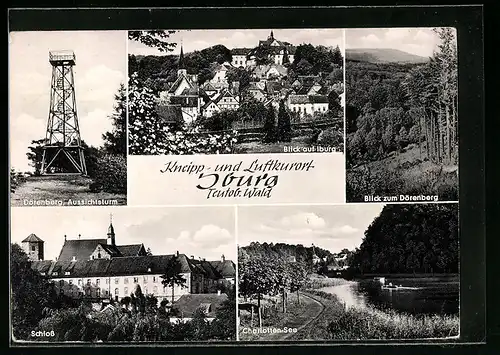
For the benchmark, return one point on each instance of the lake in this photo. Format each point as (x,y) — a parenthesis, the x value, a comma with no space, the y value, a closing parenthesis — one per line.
(430,295)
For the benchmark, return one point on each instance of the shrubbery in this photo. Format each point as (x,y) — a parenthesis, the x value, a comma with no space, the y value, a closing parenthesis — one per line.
(110,174)
(16,178)
(331,137)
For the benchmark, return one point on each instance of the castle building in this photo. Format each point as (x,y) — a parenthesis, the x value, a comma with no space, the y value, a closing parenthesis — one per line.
(100,269)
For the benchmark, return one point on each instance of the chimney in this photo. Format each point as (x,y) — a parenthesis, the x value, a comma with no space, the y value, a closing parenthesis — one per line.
(192,257)
(222,258)
(65,237)
(79,235)
(177,253)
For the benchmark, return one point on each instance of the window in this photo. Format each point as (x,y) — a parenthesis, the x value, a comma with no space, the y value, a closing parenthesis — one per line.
(117,280)
(145,279)
(43,274)
(136,280)
(125,290)
(71,282)
(87,292)
(55,273)
(125,280)
(145,290)
(98,255)
(79,282)
(107,281)
(117,292)
(98,282)
(88,282)
(33,248)
(66,273)
(61,283)
(98,292)
(105,292)
(155,279)
(155,290)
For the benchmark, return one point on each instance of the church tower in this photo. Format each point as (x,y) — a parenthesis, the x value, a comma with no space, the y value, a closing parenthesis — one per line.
(111,232)
(271,37)
(181,65)
(33,247)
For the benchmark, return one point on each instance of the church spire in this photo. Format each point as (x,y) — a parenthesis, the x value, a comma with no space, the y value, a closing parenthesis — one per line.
(271,36)
(181,64)
(111,231)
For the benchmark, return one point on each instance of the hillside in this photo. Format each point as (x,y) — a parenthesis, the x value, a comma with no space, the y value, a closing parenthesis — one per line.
(383,55)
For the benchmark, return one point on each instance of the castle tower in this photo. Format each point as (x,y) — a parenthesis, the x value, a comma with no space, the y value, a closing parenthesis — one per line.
(63,150)
(111,232)
(181,65)
(33,247)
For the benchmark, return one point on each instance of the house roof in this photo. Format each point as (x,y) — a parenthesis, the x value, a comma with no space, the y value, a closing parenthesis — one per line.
(111,249)
(118,266)
(188,304)
(298,99)
(32,238)
(273,86)
(226,268)
(178,82)
(185,101)
(318,99)
(169,113)
(81,249)
(240,51)
(131,249)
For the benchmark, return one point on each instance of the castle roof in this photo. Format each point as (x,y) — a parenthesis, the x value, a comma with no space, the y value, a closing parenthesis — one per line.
(226,268)
(240,51)
(131,249)
(81,249)
(32,238)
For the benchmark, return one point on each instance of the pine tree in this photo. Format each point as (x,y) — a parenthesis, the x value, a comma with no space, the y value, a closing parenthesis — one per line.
(270,134)
(115,142)
(284,129)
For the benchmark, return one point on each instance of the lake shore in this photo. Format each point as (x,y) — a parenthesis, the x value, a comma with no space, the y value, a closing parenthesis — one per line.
(346,318)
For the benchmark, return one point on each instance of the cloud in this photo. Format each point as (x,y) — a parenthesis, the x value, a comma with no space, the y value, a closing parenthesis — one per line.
(303,220)
(345,229)
(396,34)
(423,37)
(211,234)
(23,129)
(370,40)
(93,125)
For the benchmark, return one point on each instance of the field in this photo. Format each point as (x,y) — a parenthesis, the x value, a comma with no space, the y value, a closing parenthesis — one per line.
(59,190)
(404,173)
(279,147)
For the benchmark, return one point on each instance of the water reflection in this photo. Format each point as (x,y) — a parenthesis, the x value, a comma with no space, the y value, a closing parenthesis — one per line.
(422,295)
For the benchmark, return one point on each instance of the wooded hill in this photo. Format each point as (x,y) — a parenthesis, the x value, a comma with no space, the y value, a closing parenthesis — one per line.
(258,250)
(391,105)
(418,238)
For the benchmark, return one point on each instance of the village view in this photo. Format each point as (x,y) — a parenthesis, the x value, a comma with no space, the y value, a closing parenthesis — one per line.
(235,100)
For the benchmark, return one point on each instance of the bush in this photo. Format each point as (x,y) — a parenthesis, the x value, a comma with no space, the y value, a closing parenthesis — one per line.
(110,174)
(331,137)
(16,178)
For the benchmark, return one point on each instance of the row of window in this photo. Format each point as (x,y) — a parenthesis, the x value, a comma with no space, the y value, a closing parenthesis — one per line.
(299,109)
(135,280)
(105,293)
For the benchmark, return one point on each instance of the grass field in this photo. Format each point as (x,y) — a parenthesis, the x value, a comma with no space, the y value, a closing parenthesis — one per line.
(61,191)
(259,147)
(405,173)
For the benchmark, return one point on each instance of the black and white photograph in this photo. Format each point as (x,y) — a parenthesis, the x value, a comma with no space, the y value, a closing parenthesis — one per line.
(67,118)
(401,115)
(236,91)
(348,272)
(123,274)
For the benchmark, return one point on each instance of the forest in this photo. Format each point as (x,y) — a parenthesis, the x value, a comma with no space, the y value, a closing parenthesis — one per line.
(403,117)
(418,238)
(283,250)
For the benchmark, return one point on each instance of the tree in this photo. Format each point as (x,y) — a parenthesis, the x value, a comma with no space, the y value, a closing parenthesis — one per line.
(337,57)
(154,38)
(35,153)
(334,102)
(270,133)
(31,294)
(173,275)
(223,327)
(115,142)
(299,276)
(284,127)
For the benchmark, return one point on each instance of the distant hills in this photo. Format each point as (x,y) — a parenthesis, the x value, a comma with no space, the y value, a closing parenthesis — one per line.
(383,55)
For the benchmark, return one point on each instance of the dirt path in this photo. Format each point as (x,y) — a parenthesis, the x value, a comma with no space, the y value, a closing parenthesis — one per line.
(312,312)
(61,191)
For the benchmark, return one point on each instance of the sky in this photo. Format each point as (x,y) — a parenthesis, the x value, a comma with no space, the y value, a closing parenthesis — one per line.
(419,41)
(200,39)
(101,66)
(329,227)
(205,232)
